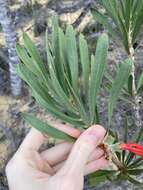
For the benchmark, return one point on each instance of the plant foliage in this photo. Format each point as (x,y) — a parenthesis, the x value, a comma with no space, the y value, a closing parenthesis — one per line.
(67,86)
(129,168)
(122,18)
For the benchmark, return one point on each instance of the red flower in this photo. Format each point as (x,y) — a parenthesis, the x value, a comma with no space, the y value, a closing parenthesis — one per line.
(133,147)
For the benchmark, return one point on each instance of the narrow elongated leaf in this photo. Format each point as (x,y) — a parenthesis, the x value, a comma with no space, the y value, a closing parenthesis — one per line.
(79,104)
(84,57)
(125,136)
(122,18)
(112,10)
(34,53)
(45,100)
(72,56)
(55,30)
(122,5)
(76,122)
(45,128)
(135,171)
(59,88)
(102,19)
(137,138)
(134,181)
(22,53)
(140,81)
(135,162)
(62,60)
(97,71)
(99,176)
(93,182)
(130,80)
(55,48)
(138,22)
(128,7)
(118,84)
(62,96)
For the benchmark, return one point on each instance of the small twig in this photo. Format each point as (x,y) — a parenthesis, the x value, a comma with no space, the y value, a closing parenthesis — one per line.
(80,18)
(87,6)
(117,162)
(74,6)
(69,8)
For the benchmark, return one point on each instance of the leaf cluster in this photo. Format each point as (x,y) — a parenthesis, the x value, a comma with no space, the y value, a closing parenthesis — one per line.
(122,18)
(130,168)
(67,86)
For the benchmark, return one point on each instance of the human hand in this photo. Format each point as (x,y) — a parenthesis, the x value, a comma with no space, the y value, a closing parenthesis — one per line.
(61,167)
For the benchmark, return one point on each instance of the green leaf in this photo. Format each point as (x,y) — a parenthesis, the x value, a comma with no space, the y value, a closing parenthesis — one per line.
(135,163)
(45,128)
(72,56)
(97,116)
(102,19)
(139,164)
(125,136)
(97,71)
(135,171)
(60,92)
(97,180)
(122,18)
(100,176)
(109,140)
(53,109)
(79,104)
(34,53)
(28,61)
(140,81)
(130,80)
(85,63)
(62,60)
(43,97)
(138,22)
(56,51)
(55,38)
(118,84)
(128,6)
(111,9)
(137,138)
(134,181)
(59,88)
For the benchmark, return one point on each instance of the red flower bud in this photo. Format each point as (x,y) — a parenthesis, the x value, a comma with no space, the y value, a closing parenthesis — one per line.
(133,147)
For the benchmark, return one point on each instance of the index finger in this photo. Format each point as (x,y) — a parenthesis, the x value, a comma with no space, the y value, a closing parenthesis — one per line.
(35,139)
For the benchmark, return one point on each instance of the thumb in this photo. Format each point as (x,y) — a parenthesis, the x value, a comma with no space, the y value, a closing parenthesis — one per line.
(82,149)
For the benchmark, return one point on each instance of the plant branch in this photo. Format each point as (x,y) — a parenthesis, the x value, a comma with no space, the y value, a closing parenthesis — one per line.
(117,162)
(137,99)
